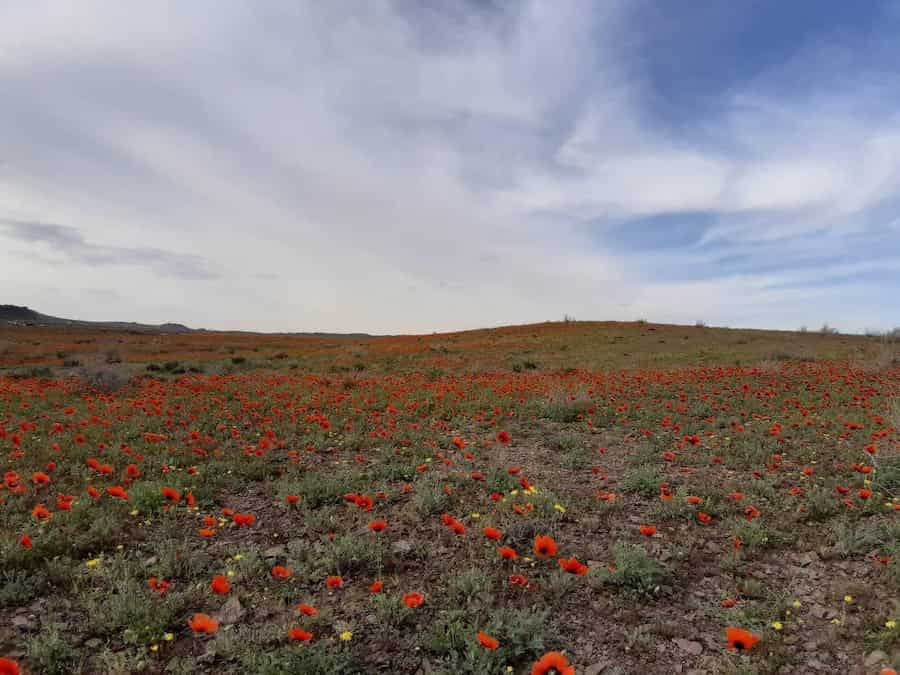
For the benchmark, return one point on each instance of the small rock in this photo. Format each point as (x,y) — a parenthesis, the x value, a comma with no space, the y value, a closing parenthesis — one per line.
(597,668)
(274,552)
(689,646)
(875,658)
(402,546)
(152,560)
(231,611)
(23,622)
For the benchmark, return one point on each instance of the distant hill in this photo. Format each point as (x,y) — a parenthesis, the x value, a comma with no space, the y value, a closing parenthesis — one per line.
(14,315)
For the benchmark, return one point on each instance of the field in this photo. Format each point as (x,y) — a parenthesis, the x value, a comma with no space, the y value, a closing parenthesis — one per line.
(625,494)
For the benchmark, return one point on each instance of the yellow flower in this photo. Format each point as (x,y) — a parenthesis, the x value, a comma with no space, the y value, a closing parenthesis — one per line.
(230,573)
(560,508)
(237,556)
(848,598)
(346,635)
(168,637)
(119,547)
(154,648)
(777,625)
(513,492)
(476,515)
(836,621)
(890,624)
(94,562)
(796,603)
(134,512)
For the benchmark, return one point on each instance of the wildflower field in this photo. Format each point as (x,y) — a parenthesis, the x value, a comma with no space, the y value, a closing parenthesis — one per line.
(571,497)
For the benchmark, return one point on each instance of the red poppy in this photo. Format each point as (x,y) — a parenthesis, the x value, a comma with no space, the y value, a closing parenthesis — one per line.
(704,518)
(308,610)
(507,553)
(40,478)
(220,585)
(740,639)
(203,623)
(206,532)
(413,600)
(299,635)
(377,525)
(751,512)
(552,663)
(171,494)
(25,541)
(9,667)
(544,546)
(864,493)
(492,533)
(243,519)
(503,437)
(376,587)
(517,580)
(573,566)
(292,499)
(459,442)
(487,641)
(40,512)
(729,602)
(692,499)
(334,582)
(648,530)
(458,527)
(117,492)
(280,572)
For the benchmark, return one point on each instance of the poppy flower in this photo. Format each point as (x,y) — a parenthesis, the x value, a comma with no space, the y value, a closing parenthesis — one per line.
(740,639)
(507,553)
(503,437)
(413,600)
(40,478)
(751,512)
(334,582)
(25,541)
(864,493)
(376,587)
(517,580)
(171,494)
(552,663)
(728,603)
(9,667)
(458,527)
(220,585)
(292,499)
(118,492)
(492,533)
(40,512)
(203,623)
(704,518)
(459,442)
(280,572)
(299,635)
(93,492)
(243,519)
(207,532)
(573,566)
(308,610)
(487,641)
(648,530)
(377,525)
(544,546)
(692,499)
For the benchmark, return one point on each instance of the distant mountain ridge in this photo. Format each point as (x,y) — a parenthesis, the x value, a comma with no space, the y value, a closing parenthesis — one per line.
(14,315)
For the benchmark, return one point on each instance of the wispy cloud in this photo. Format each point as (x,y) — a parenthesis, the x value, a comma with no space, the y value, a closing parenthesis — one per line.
(69,244)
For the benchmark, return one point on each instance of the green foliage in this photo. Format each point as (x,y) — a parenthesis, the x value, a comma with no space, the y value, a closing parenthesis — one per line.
(634,570)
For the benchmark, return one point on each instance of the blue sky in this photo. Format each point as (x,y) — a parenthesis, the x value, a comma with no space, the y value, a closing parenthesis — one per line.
(413,166)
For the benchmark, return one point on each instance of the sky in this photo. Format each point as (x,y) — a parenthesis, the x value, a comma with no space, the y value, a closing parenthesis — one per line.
(420,165)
